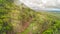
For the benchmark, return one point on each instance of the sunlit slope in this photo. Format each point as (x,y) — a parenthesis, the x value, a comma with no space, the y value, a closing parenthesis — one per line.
(38,22)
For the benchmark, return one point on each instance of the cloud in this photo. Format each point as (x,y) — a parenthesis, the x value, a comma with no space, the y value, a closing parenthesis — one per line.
(42,4)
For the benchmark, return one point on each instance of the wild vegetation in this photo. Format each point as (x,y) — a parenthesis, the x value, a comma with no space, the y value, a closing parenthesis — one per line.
(23,20)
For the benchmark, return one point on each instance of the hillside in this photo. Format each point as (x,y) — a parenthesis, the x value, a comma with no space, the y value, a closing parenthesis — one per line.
(40,22)
(23,20)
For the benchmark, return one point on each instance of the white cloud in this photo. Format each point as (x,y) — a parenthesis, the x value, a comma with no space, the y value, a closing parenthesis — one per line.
(42,4)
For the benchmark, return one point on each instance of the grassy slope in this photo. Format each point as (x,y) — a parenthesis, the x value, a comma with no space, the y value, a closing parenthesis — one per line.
(39,22)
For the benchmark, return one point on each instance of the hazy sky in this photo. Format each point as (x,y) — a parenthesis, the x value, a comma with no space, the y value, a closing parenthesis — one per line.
(42,4)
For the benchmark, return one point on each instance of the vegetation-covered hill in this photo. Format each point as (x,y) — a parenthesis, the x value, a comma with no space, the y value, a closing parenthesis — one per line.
(20,20)
(40,22)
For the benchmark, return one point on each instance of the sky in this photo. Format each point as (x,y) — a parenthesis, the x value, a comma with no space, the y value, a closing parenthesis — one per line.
(42,4)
